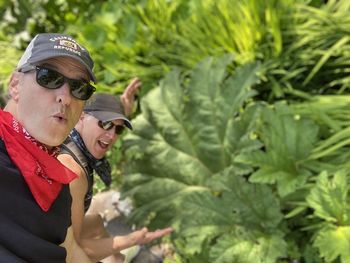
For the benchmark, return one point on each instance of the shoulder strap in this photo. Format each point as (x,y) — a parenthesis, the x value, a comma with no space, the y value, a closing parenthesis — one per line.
(69,147)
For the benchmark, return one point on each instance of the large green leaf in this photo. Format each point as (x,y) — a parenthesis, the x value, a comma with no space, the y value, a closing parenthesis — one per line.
(288,140)
(204,218)
(264,214)
(212,110)
(235,214)
(185,135)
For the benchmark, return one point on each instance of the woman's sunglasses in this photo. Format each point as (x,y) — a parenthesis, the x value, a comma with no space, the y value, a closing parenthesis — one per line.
(51,79)
(107,125)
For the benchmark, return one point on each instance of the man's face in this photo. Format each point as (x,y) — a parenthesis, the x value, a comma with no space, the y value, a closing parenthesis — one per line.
(49,114)
(97,140)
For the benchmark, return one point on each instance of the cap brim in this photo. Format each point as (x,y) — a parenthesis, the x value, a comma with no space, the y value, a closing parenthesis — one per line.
(110,116)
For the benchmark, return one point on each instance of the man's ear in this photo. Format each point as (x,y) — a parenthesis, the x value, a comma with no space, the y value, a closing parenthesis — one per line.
(79,126)
(14,86)
(82,116)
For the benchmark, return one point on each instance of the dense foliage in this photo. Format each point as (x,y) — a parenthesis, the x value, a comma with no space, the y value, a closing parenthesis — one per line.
(243,181)
(242,139)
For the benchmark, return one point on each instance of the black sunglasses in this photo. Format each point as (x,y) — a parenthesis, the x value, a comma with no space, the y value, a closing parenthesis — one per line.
(107,125)
(51,79)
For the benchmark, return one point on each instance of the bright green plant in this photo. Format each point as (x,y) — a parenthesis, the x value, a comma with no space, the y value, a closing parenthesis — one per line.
(241,181)
(330,201)
(316,58)
(10,56)
(148,38)
(169,125)
(305,47)
(188,137)
(22,19)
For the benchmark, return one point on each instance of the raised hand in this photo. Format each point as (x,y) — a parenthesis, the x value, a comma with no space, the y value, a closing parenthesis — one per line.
(128,96)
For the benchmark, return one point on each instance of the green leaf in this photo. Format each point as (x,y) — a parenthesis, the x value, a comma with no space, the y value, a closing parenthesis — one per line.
(190,128)
(205,217)
(213,216)
(288,139)
(343,41)
(237,247)
(264,214)
(329,198)
(212,109)
(333,243)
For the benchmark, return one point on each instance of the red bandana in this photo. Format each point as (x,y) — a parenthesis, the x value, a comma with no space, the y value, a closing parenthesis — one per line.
(43,173)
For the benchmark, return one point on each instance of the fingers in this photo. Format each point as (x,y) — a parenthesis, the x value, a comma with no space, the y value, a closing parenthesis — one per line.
(143,236)
(132,88)
(150,236)
(166,231)
(128,96)
(138,237)
(160,233)
(141,233)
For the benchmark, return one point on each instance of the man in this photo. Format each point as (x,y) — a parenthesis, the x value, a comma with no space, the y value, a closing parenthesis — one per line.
(48,92)
(102,121)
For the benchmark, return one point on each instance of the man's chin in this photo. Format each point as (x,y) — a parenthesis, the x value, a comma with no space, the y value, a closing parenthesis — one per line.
(53,141)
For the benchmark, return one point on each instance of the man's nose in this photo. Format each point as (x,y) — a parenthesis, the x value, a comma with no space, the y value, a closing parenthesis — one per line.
(63,94)
(111,132)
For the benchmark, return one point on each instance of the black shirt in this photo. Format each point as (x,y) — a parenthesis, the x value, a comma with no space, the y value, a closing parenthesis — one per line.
(27,233)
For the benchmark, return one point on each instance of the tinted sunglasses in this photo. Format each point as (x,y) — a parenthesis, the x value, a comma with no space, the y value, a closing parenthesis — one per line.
(107,125)
(51,79)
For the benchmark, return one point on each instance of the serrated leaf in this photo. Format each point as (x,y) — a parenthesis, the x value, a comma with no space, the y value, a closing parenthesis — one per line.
(212,216)
(264,214)
(329,198)
(288,141)
(237,247)
(205,217)
(334,243)
(187,133)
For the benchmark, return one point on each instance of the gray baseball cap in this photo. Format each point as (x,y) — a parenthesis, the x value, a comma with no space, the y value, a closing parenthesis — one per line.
(50,45)
(106,107)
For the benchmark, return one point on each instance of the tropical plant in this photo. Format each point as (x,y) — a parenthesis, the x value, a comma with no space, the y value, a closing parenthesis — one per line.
(297,39)
(315,59)
(173,125)
(148,38)
(241,180)
(22,19)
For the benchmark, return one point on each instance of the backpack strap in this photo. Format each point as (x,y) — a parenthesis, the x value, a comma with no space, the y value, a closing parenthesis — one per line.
(69,147)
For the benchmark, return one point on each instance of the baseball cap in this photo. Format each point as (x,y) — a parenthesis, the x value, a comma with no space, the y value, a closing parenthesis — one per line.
(49,45)
(106,107)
